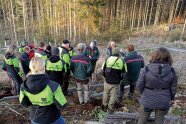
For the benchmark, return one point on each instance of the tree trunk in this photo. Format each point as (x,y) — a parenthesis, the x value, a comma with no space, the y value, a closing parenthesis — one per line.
(183,29)
(13,22)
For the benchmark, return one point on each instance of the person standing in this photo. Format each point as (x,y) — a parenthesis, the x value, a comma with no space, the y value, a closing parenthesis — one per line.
(11,65)
(43,95)
(41,51)
(64,55)
(157,84)
(25,60)
(111,45)
(81,68)
(134,63)
(71,51)
(93,53)
(113,68)
(55,67)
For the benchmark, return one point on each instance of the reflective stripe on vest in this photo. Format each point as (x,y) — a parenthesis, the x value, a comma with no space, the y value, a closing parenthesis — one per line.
(57,66)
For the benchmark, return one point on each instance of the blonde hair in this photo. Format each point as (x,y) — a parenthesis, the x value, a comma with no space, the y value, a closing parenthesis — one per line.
(37,65)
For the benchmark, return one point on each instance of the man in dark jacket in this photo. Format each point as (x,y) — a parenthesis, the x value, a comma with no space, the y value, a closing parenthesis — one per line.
(64,55)
(113,68)
(25,60)
(81,68)
(11,65)
(55,67)
(93,53)
(134,63)
(111,46)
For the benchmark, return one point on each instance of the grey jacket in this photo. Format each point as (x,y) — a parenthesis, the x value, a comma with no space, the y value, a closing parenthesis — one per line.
(157,83)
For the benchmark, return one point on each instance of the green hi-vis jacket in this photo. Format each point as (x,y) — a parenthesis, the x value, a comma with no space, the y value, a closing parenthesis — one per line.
(72,53)
(21,49)
(41,53)
(113,69)
(11,65)
(45,97)
(56,69)
(64,55)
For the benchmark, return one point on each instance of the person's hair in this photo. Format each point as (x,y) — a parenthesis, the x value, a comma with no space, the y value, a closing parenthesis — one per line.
(11,49)
(37,65)
(130,47)
(162,54)
(41,44)
(26,48)
(112,44)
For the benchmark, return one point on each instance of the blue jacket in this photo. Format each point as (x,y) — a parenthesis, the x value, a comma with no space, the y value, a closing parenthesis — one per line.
(81,66)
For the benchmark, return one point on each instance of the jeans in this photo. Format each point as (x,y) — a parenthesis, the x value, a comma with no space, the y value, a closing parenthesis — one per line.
(60,120)
(132,88)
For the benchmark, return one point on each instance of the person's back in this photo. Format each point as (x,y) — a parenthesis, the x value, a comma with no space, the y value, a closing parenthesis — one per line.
(134,63)
(80,66)
(55,67)
(157,80)
(44,96)
(116,66)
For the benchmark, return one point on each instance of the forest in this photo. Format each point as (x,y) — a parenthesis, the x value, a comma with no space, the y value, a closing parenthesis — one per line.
(83,20)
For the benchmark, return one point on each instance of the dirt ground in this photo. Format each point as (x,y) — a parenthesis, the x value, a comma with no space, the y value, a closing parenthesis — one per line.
(12,113)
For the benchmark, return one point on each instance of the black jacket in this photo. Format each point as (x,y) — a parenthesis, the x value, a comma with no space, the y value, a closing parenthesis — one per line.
(36,85)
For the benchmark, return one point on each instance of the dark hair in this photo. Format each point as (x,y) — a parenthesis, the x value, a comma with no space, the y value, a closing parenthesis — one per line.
(41,44)
(162,55)
(130,47)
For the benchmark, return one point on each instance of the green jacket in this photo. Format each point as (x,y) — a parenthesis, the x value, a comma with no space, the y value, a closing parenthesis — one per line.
(113,69)
(81,67)
(45,97)
(64,55)
(134,63)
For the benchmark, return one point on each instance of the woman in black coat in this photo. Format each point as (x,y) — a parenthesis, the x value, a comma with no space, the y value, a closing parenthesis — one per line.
(157,83)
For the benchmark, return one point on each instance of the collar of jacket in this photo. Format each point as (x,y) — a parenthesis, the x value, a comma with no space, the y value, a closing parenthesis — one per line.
(131,53)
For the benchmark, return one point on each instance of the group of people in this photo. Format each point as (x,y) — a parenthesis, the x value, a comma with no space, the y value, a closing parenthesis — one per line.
(48,70)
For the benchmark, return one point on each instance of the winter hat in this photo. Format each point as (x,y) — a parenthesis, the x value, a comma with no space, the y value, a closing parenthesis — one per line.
(65,41)
(81,46)
(48,48)
(55,51)
(115,51)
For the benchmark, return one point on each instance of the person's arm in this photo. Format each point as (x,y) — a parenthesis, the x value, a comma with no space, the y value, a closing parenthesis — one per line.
(103,68)
(140,84)
(24,101)
(59,98)
(15,62)
(173,86)
(89,68)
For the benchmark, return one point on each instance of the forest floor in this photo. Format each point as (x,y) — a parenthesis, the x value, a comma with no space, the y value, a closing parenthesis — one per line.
(74,113)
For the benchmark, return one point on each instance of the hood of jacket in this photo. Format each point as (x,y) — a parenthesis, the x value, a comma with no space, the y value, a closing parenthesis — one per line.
(54,58)
(159,69)
(36,83)
(8,55)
